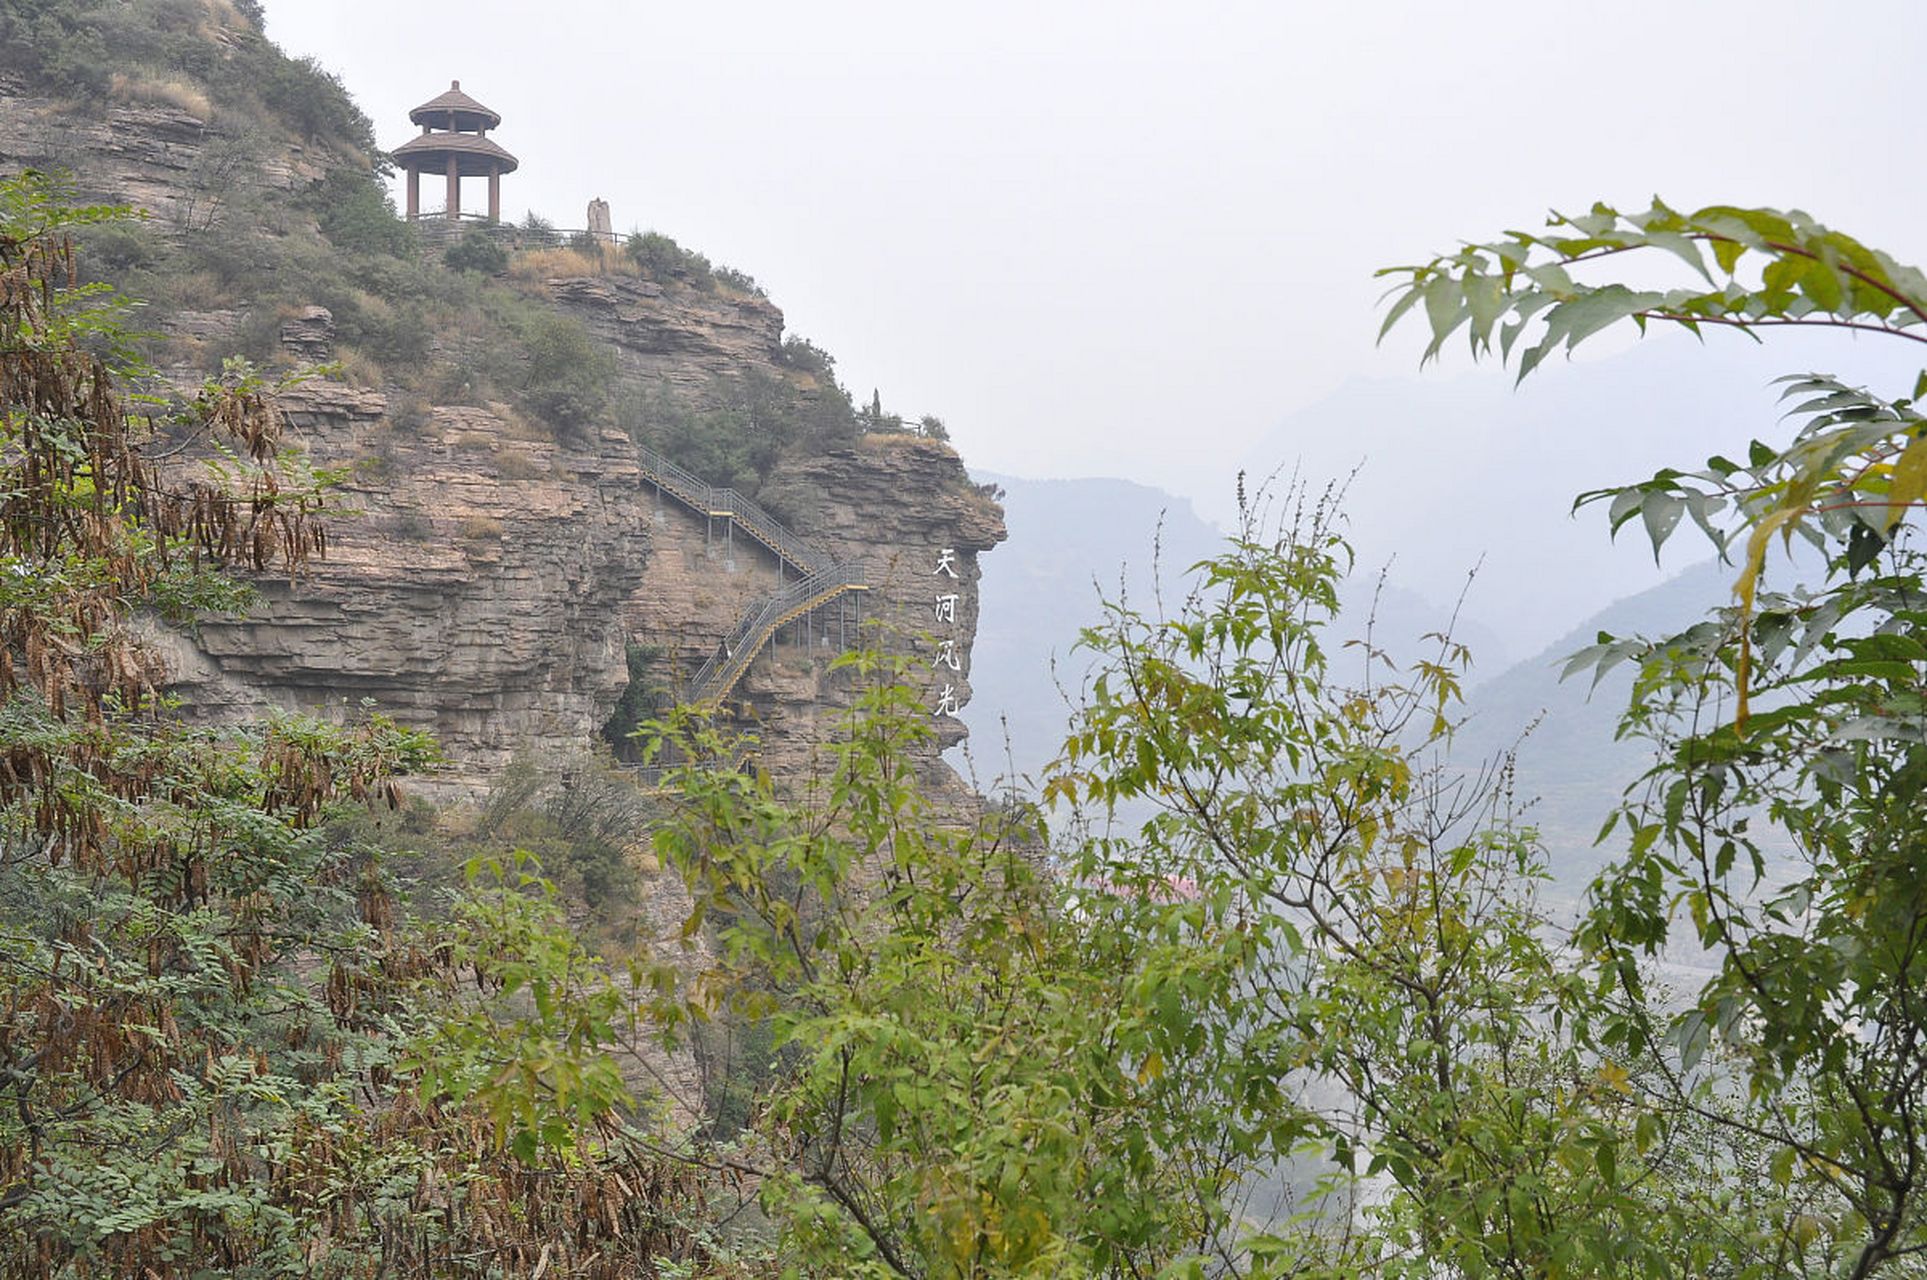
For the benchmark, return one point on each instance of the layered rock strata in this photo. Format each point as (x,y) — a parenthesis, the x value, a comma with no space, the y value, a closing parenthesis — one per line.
(484,579)
(170,162)
(485,582)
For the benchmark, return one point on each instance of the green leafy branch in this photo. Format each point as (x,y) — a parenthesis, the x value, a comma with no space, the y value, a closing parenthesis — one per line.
(528,1044)
(1523,283)
(1858,463)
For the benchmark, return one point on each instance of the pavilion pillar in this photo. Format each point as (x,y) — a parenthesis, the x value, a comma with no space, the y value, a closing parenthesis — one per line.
(454,142)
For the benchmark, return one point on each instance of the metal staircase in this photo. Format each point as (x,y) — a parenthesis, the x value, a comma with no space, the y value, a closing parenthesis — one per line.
(823,580)
(713,503)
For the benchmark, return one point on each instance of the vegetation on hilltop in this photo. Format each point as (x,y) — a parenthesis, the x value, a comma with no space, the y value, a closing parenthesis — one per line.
(206,57)
(660,258)
(761,420)
(471,324)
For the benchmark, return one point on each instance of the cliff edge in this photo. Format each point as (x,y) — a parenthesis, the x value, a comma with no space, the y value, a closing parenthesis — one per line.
(500,572)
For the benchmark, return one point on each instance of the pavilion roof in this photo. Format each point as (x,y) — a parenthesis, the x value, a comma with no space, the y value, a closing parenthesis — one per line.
(469,114)
(475,155)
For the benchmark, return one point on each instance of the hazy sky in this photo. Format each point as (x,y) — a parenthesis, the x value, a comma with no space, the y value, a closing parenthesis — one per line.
(1129,239)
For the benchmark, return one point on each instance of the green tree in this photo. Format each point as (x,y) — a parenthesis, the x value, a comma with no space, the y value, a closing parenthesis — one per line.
(356,215)
(1783,821)
(663,260)
(568,374)
(1399,1016)
(1317,960)
(1004,1053)
(477,251)
(966,1091)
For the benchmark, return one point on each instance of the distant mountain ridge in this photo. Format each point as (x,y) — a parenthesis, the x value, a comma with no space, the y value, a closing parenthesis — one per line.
(1073,545)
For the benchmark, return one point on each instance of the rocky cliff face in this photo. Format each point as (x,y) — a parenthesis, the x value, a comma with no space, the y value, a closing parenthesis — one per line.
(683,343)
(905,507)
(488,572)
(486,585)
(901,506)
(172,162)
(475,586)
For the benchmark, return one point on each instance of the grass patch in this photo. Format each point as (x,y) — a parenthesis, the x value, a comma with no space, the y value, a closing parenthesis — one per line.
(516,465)
(358,368)
(566,262)
(171,91)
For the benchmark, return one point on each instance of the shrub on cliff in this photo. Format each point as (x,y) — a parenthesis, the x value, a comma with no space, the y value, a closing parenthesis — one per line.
(357,216)
(663,260)
(310,97)
(748,428)
(59,44)
(806,357)
(566,381)
(642,698)
(477,251)
(205,47)
(717,443)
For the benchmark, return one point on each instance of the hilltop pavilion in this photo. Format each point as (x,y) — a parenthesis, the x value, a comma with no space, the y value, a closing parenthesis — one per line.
(454,141)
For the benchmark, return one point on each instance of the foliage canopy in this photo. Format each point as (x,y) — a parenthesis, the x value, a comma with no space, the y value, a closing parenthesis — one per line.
(1782,821)
(1319,962)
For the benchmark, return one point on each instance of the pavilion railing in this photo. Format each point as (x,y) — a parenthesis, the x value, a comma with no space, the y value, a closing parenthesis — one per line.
(434,226)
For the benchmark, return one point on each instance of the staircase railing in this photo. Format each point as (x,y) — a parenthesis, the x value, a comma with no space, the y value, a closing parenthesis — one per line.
(739,648)
(653,777)
(822,580)
(711,500)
